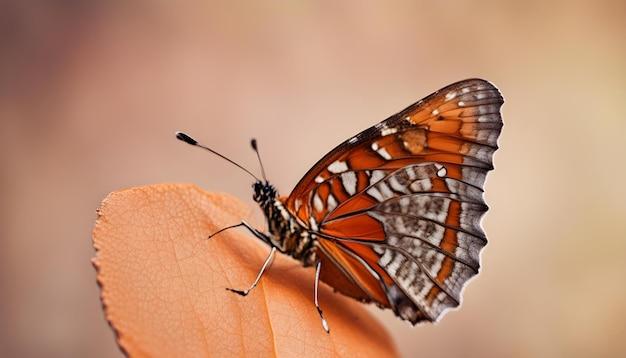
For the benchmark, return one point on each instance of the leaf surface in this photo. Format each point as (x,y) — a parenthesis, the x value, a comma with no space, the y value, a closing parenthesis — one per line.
(163,284)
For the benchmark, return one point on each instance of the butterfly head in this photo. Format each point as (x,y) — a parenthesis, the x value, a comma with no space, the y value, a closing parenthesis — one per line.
(264,193)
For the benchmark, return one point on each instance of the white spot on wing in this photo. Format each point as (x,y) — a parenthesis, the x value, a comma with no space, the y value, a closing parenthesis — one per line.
(450,95)
(385,190)
(376,176)
(421,185)
(384,153)
(331,203)
(385,259)
(436,260)
(348,179)
(394,265)
(388,130)
(319,179)
(461,103)
(435,112)
(441,296)
(374,193)
(318,205)
(338,167)
(396,185)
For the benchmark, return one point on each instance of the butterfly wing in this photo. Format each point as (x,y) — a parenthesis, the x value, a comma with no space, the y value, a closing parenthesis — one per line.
(397,208)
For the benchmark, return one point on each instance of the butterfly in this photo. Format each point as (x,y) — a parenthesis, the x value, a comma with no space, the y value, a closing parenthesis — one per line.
(393,214)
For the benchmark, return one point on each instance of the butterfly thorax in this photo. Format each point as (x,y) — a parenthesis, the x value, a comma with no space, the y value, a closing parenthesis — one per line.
(286,233)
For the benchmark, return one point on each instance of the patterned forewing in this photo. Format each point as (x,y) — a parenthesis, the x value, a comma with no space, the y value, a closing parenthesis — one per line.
(409,193)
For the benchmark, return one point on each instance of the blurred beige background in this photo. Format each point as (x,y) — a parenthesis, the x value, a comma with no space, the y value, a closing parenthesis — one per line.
(92,92)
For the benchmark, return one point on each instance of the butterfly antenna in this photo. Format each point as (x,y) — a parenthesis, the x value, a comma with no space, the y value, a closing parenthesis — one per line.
(187,139)
(256,150)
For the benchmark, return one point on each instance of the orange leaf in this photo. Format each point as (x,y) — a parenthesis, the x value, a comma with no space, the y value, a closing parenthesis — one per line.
(163,284)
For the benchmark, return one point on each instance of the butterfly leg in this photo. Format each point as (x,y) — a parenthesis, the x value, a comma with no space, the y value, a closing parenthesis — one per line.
(226,228)
(245,224)
(318,268)
(261,236)
(269,258)
(258,276)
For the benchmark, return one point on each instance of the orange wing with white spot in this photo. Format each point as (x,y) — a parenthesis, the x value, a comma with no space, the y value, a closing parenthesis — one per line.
(397,209)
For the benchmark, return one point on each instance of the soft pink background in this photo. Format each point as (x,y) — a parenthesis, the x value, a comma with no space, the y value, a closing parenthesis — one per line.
(91,94)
